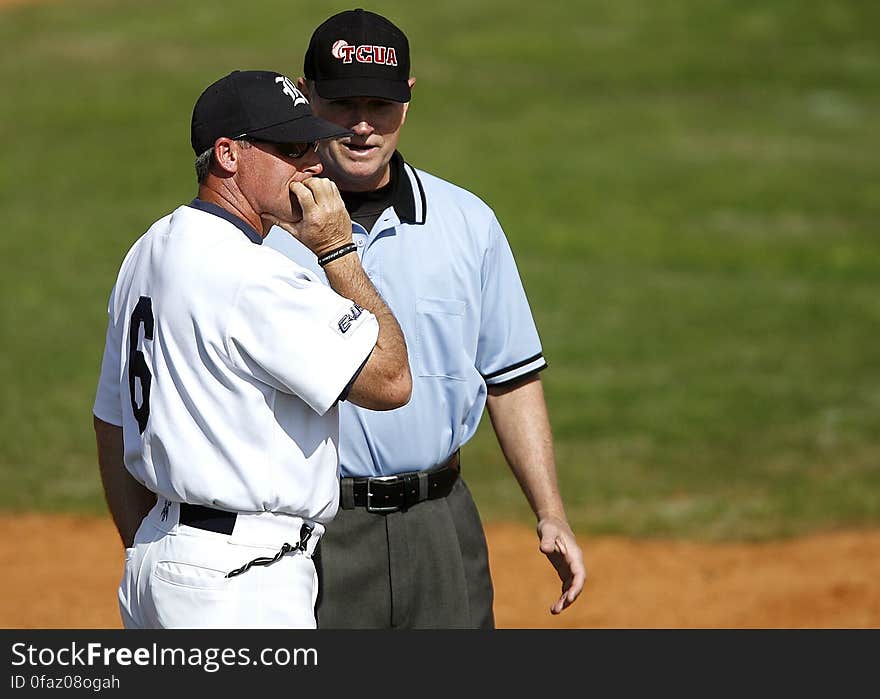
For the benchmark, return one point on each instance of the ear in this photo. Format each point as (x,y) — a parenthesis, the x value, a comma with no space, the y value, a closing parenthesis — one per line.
(412,82)
(226,155)
(303,86)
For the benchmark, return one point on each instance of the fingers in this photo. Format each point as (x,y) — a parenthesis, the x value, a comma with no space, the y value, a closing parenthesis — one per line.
(316,191)
(570,592)
(560,605)
(575,585)
(561,548)
(565,601)
(549,535)
(324,224)
(304,196)
(318,198)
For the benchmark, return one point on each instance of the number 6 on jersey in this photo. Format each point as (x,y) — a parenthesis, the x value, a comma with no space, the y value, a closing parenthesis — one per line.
(137,363)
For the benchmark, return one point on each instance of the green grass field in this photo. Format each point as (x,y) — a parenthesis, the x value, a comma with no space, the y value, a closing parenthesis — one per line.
(691,188)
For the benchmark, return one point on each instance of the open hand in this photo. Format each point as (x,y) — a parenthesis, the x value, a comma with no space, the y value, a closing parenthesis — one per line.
(561,548)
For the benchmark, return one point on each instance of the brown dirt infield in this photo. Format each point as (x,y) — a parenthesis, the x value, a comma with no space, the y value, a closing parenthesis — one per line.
(62,572)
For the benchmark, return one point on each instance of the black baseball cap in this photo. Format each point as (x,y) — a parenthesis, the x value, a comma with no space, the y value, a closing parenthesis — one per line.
(358,53)
(258,103)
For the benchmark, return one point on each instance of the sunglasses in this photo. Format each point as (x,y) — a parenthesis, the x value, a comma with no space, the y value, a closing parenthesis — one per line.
(288,150)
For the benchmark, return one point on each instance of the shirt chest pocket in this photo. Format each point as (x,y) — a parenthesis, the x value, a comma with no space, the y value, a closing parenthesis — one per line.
(440,338)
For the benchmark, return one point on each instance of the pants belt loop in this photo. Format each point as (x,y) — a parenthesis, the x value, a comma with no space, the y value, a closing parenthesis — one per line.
(346,493)
(423,486)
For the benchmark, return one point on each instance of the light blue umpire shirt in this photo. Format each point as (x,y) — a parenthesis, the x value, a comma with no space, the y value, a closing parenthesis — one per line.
(439,258)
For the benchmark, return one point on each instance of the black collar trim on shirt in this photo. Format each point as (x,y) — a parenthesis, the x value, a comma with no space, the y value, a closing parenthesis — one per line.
(242,225)
(407,195)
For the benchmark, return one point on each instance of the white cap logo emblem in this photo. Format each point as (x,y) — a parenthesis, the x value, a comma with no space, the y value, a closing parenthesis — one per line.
(289,89)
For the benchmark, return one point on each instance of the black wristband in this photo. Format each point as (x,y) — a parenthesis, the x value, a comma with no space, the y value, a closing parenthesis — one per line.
(337,253)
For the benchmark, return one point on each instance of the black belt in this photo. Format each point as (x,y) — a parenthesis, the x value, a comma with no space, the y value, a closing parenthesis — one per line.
(223,522)
(392,493)
(206,518)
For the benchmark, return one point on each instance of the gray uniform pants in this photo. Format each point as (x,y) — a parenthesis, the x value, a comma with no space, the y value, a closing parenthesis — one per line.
(423,568)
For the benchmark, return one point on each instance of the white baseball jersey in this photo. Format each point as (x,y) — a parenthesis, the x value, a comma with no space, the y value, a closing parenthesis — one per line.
(223,364)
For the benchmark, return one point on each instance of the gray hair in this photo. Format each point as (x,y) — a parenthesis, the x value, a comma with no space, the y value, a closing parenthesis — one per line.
(203,162)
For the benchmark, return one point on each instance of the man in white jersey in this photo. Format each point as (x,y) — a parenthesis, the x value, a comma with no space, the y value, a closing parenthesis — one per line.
(216,412)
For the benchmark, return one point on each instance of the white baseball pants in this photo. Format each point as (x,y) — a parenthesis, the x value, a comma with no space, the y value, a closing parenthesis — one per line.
(175,575)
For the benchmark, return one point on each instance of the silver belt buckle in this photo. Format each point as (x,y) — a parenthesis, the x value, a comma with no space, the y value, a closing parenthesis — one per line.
(381,509)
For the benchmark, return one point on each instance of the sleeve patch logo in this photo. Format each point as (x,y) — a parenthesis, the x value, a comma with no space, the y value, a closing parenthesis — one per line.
(348,320)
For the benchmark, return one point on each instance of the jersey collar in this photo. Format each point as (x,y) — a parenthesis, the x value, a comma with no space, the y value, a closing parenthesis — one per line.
(243,226)
(407,193)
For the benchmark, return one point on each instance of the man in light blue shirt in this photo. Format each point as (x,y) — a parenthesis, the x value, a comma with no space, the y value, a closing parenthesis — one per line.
(407,548)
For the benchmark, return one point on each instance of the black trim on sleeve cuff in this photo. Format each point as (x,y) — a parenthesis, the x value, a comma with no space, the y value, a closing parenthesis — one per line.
(517,379)
(531,359)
